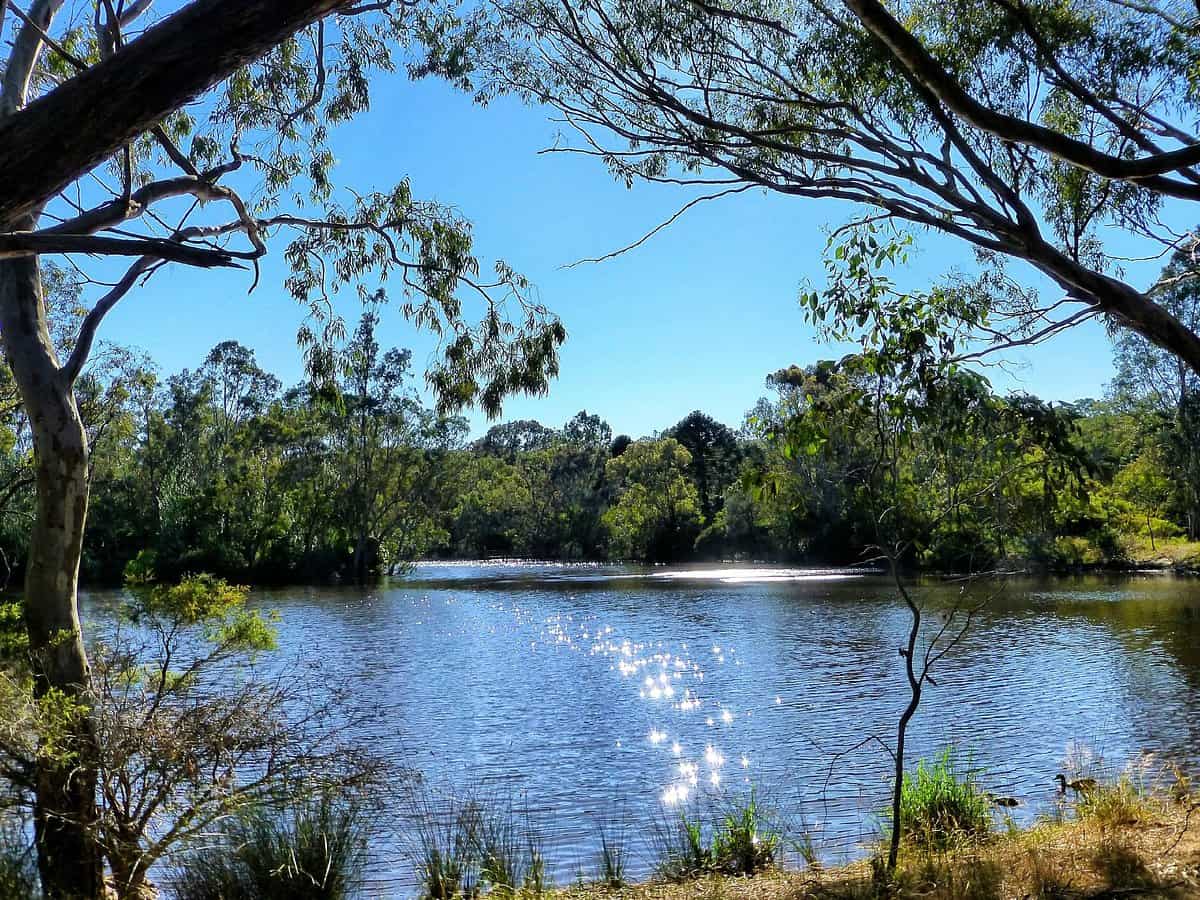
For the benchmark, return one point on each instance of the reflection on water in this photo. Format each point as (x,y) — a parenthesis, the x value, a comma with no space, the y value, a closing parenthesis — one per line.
(594,692)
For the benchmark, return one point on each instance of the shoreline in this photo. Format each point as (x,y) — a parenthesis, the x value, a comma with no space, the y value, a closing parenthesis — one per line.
(1157,855)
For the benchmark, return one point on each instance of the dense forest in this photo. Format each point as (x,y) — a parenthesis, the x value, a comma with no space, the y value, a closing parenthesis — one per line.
(221,469)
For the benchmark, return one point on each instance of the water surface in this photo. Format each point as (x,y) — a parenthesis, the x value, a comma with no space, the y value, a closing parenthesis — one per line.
(594,694)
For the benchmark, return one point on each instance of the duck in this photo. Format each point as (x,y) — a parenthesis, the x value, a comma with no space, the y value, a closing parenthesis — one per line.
(1007,802)
(1079,785)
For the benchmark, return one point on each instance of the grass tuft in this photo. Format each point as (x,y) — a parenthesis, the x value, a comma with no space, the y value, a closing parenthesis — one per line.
(466,846)
(942,807)
(310,851)
(613,856)
(1115,804)
(742,842)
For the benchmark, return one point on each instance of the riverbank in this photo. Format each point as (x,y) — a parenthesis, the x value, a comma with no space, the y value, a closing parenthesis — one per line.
(1175,555)
(1156,855)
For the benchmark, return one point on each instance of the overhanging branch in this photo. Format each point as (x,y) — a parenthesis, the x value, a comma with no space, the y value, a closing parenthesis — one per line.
(29,243)
(50,143)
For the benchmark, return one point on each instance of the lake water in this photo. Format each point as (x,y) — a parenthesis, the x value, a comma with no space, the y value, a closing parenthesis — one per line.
(593,694)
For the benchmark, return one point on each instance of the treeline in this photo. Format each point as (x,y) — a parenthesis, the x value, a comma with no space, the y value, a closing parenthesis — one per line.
(221,470)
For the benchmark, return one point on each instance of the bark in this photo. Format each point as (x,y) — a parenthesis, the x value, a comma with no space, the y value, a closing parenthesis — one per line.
(129,869)
(62,135)
(1127,305)
(69,860)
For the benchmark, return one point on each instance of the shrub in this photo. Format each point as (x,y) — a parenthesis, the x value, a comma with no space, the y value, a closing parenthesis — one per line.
(312,851)
(941,806)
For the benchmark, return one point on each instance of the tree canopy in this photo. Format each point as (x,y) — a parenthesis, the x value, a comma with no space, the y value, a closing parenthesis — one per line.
(1030,129)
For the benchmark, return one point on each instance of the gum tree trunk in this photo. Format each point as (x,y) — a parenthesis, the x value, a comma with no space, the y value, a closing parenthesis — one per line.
(69,859)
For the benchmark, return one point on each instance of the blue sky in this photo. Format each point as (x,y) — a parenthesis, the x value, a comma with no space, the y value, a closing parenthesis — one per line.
(694,319)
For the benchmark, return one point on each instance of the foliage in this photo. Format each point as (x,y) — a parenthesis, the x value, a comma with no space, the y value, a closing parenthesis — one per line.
(188,730)
(1026,131)
(657,513)
(942,806)
(310,851)
(221,470)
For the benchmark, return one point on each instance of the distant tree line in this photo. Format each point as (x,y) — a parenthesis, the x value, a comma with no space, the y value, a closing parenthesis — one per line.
(220,469)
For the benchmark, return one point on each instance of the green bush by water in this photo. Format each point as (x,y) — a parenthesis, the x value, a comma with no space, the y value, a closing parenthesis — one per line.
(941,805)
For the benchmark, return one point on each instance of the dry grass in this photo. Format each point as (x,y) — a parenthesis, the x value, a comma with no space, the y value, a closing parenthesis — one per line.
(1157,855)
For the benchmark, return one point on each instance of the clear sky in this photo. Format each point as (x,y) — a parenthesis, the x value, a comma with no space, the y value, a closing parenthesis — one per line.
(694,319)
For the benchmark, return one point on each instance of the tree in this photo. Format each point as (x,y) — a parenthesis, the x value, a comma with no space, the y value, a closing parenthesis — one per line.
(191,730)
(657,513)
(1145,372)
(587,430)
(510,439)
(1025,128)
(715,458)
(385,441)
(170,187)
(931,439)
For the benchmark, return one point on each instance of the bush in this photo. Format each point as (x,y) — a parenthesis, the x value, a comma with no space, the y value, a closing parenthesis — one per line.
(312,851)
(940,806)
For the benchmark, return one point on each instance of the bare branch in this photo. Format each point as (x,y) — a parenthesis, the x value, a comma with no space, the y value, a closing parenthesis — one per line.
(91,322)
(30,243)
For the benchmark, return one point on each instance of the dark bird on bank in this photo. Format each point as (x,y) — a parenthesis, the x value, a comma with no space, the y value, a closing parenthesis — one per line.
(1079,785)
(1007,802)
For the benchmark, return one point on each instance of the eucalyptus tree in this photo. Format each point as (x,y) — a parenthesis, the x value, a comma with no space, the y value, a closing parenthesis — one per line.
(386,446)
(656,513)
(1056,134)
(104,157)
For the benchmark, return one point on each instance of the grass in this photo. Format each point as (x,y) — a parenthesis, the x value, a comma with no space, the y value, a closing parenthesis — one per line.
(509,850)
(1174,551)
(311,851)
(1077,859)
(446,861)
(467,846)
(942,806)
(742,841)
(1114,804)
(613,856)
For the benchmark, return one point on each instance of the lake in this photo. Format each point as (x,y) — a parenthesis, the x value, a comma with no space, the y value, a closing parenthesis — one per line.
(601,695)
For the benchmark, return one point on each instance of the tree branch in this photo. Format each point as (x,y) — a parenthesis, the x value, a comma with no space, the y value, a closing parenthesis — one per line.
(91,322)
(48,144)
(912,55)
(31,243)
